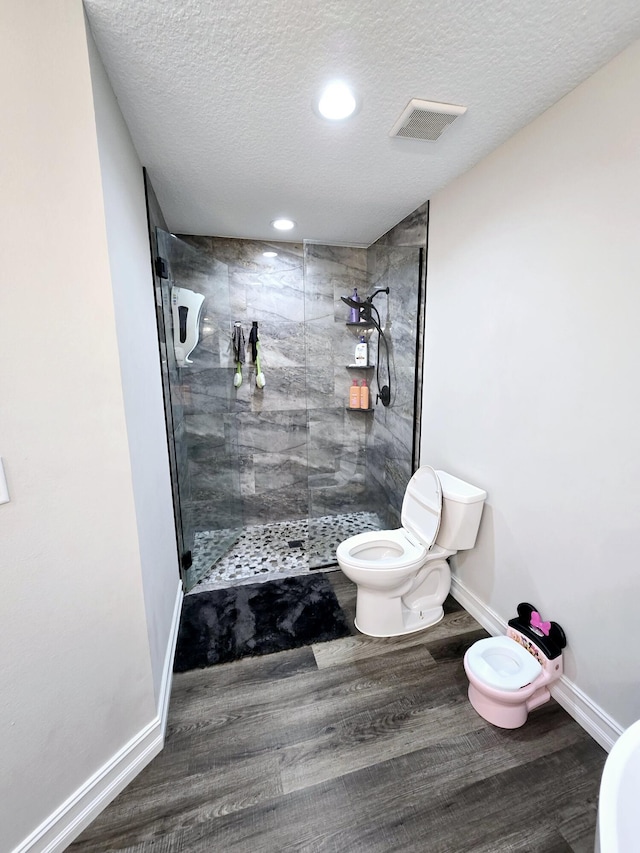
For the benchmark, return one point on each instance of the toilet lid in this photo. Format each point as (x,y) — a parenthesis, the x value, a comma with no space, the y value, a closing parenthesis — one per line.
(502,663)
(422,506)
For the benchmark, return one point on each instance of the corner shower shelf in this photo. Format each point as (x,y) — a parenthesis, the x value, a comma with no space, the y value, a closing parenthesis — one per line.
(362,411)
(361,325)
(359,366)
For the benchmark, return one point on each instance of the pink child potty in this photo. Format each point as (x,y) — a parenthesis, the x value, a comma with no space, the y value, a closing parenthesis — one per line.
(510,676)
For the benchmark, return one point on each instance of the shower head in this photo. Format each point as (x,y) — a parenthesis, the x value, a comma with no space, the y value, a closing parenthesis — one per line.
(365,307)
(367,302)
(351,302)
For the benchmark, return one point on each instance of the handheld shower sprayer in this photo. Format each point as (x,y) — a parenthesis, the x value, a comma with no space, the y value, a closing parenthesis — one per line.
(367,310)
(365,307)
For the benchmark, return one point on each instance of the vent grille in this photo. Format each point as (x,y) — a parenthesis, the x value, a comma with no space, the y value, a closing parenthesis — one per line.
(425,120)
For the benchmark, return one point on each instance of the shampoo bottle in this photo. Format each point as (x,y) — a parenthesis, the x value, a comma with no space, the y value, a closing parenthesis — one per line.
(362,352)
(354,395)
(364,394)
(354,313)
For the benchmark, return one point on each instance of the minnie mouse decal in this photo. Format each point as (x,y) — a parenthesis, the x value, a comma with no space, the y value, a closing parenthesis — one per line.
(548,636)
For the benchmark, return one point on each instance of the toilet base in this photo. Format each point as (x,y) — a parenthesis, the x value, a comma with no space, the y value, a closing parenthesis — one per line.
(411,623)
(506,715)
(413,604)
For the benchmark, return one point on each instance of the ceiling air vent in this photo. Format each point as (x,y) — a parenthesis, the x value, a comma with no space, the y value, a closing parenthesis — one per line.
(425,119)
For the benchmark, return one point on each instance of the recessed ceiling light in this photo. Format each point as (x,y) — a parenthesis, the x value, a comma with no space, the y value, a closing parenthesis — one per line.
(337,101)
(269,254)
(283,224)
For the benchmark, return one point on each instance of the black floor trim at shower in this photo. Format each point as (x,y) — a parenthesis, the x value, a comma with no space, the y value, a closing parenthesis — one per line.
(223,625)
(332,565)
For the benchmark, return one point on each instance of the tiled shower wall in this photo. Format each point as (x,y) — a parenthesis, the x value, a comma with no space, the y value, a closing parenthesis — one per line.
(298,450)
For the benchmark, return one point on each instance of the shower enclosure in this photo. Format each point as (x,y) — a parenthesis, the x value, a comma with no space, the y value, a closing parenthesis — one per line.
(269,480)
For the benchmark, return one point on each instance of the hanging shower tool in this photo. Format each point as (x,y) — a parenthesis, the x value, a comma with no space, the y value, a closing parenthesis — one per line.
(254,343)
(237,341)
(260,380)
(253,340)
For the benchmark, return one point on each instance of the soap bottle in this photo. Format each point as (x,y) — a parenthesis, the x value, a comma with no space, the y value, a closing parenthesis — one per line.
(354,313)
(362,352)
(354,395)
(364,394)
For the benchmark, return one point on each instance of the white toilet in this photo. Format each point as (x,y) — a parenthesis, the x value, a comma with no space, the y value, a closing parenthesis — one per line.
(402,575)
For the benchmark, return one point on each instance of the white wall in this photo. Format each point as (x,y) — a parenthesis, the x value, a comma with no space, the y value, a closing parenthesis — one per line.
(132,281)
(77,679)
(531,383)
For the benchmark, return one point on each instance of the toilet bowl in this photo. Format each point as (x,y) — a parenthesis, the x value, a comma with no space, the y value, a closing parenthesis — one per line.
(402,575)
(510,675)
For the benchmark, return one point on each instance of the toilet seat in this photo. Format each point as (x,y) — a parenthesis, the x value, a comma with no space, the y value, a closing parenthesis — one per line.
(501,663)
(383,549)
(407,545)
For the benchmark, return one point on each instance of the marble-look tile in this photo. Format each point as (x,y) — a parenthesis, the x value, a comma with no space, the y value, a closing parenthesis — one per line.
(285,389)
(276,471)
(202,244)
(282,344)
(345,497)
(272,298)
(332,272)
(248,254)
(214,514)
(214,479)
(392,435)
(273,430)
(207,390)
(205,425)
(321,388)
(247,475)
(319,352)
(336,444)
(189,257)
(275,505)
(411,231)
(209,449)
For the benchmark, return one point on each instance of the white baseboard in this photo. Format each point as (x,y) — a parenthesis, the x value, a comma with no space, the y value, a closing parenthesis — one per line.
(167,670)
(65,824)
(481,612)
(584,711)
(602,728)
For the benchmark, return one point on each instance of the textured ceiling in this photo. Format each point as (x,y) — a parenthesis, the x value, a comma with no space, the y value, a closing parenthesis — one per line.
(217,95)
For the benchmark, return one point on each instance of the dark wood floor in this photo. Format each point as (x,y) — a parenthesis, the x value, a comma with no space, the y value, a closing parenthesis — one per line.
(355,746)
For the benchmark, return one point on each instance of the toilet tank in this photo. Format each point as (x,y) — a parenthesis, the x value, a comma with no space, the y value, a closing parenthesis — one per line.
(461,510)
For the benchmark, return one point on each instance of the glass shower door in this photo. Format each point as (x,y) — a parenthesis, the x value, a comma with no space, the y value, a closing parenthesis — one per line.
(196,311)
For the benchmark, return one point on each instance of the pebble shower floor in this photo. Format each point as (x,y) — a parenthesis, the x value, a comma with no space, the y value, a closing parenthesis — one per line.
(268,551)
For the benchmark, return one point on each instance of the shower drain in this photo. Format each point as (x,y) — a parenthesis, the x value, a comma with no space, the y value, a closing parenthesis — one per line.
(296,543)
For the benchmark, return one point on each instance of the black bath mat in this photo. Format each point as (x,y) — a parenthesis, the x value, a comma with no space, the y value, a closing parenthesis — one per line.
(227,624)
